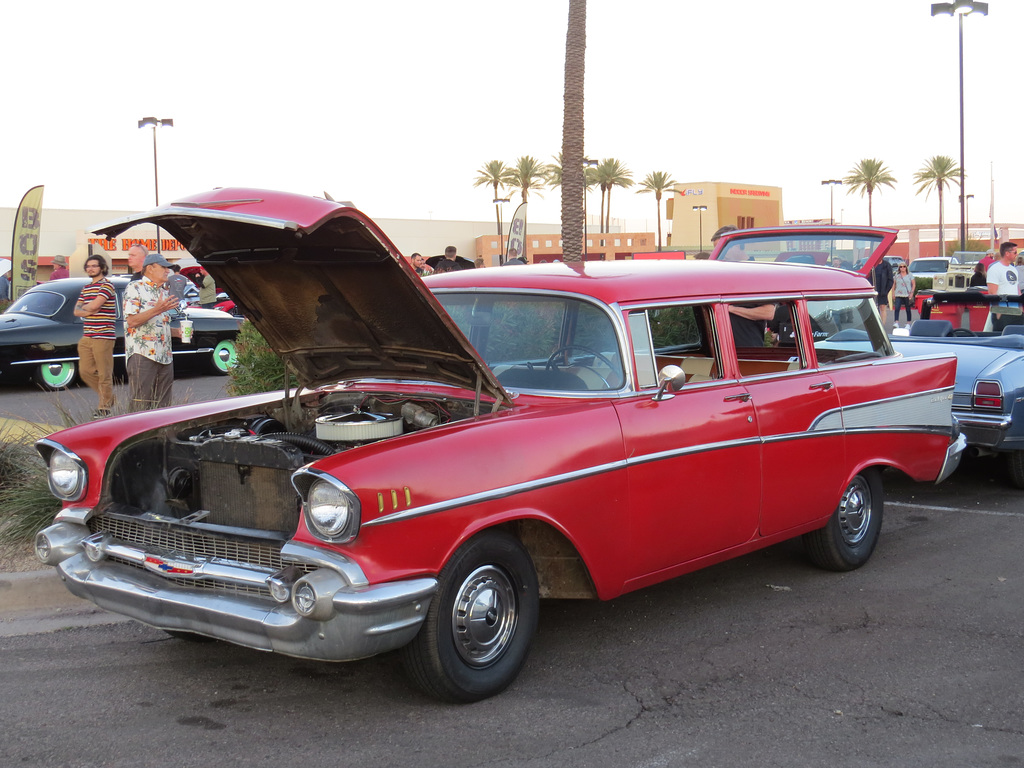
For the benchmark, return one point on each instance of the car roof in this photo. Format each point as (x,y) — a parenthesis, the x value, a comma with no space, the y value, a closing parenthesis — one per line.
(656,280)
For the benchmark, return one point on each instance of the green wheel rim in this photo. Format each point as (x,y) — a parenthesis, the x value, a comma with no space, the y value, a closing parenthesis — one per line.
(57,375)
(225,356)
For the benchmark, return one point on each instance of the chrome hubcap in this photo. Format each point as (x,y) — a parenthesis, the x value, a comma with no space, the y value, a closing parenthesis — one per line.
(855,512)
(484,616)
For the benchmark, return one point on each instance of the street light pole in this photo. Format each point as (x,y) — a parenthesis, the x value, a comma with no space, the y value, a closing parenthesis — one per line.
(967,207)
(501,245)
(700,224)
(587,163)
(961,8)
(831,198)
(154,123)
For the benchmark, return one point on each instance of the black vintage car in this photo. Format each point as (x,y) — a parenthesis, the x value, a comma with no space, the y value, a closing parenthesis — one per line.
(39,335)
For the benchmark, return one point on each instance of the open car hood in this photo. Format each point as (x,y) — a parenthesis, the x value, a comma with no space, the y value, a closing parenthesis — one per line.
(326,288)
(858,249)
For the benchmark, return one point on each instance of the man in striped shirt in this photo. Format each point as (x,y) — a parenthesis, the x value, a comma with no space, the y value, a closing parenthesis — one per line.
(97,306)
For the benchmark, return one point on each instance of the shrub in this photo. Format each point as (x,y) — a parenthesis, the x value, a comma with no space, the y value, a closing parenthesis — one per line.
(26,504)
(258,368)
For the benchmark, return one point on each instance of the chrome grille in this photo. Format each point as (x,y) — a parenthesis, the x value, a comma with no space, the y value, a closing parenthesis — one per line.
(166,539)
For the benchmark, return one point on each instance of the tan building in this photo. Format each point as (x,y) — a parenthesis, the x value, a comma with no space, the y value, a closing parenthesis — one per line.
(738,204)
(543,248)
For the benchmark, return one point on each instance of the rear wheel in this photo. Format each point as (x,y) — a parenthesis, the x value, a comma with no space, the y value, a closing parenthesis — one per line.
(224,357)
(479,627)
(1015,463)
(848,539)
(55,376)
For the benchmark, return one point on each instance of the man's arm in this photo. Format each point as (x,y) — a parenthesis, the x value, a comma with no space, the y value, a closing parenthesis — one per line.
(84,310)
(760,312)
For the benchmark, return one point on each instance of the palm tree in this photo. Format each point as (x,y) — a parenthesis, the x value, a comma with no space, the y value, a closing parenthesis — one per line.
(571,157)
(611,173)
(497,174)
(867,176)
(657,183)
(528,173)
(937,173)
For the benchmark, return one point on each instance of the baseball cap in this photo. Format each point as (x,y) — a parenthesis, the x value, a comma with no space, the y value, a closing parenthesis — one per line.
(155,258)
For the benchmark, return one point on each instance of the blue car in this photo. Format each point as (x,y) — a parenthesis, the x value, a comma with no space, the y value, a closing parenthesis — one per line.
(988,398)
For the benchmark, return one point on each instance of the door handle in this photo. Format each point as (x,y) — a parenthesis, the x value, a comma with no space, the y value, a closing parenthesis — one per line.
(742,398)
(825,385)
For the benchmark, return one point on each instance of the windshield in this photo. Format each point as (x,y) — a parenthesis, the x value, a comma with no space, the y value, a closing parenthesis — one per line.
(928,266)
(41,303)
(551,343)
(838,250)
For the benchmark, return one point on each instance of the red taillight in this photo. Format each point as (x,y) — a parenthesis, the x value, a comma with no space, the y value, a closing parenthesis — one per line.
(988,394)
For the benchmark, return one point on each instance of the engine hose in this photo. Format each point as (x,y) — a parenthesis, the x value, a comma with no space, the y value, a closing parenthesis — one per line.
(311,444)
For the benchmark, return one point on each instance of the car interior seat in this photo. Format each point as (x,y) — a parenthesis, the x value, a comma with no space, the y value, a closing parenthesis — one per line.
(1011,330)
(931,328)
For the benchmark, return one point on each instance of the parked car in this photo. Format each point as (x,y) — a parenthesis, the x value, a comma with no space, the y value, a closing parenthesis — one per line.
(930,266)
(464,445)
(988,398)
(39,335)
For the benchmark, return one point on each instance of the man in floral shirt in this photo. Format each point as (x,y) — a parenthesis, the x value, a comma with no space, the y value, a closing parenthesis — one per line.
(147,336)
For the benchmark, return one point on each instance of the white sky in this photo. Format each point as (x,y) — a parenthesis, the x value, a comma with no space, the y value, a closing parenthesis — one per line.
(395,105)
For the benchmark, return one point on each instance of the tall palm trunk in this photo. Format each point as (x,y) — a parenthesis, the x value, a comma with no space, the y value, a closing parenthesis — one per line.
(871,218)
(573,184)
(657,202)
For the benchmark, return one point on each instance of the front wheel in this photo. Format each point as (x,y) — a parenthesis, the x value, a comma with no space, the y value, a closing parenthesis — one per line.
(55,376)
(848,539)
(224,357)
(478,630)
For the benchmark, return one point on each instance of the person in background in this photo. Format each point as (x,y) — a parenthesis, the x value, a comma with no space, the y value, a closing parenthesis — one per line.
(207,290)
(451,261)
(988,259)
(514,259)
(1002,281)
(881,279)
(903,293)
(1019,266)
(419,264)
(97,306)
(147,336)
(136,256)
(5,279)
(60,268)
(978,279)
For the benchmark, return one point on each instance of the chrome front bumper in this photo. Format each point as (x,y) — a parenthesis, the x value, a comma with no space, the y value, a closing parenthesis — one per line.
(345,621)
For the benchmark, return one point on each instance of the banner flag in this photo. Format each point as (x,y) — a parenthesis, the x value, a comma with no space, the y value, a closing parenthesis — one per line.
(25,248)
(517,235)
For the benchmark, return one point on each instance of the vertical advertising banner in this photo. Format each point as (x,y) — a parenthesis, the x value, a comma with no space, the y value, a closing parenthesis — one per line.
(517,235)
(25,249)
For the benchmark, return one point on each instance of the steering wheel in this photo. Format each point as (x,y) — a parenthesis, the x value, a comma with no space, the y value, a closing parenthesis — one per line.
(552,361)
(963,332)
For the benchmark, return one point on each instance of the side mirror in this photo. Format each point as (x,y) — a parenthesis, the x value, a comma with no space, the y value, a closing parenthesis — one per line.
(670,379)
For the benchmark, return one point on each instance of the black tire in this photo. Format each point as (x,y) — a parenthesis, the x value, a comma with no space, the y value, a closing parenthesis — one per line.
(491,578)
(1015,465)
(53,377)
(851,534)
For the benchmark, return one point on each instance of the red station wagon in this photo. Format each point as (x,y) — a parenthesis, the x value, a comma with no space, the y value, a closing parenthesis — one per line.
(461,447)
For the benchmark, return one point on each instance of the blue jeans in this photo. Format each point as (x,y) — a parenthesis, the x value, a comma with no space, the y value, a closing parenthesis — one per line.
(902,301)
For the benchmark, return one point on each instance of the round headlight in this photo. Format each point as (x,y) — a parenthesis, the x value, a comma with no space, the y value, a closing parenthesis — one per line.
(332,511)
(66,476)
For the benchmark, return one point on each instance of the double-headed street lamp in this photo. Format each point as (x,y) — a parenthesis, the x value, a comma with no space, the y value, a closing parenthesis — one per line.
(961,8)
(154,123)
(831,198)
(700,224)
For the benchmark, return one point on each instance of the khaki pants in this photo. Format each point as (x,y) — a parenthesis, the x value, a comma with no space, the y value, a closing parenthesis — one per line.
(96,367)
(149,383)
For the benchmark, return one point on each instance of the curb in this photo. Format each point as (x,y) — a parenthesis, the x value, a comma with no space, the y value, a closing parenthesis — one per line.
(35,591)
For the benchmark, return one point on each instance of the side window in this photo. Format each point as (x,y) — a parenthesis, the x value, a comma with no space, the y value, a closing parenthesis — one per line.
(676,335)
(767,338)
(846,330)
